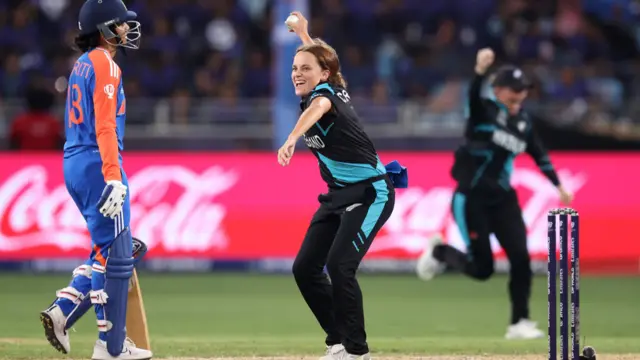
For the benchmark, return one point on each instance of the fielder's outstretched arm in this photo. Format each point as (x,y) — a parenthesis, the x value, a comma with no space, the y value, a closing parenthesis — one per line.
(540,155)
(477,106)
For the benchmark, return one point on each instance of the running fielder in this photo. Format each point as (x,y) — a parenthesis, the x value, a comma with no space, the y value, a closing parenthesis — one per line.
(95,119)
(498,130)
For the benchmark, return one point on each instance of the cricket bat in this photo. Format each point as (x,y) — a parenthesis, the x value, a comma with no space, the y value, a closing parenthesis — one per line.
(137,329)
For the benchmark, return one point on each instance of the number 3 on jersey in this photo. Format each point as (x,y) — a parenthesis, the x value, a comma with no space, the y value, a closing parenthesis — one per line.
(74,108)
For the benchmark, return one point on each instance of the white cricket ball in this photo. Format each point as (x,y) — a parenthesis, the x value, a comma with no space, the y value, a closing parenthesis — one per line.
(291,20)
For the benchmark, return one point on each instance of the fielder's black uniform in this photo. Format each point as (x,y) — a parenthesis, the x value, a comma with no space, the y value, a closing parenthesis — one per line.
(359,201)
(484,201)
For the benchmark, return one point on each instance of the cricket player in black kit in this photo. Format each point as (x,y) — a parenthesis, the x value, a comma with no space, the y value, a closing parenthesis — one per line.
(484,202)
(359,200)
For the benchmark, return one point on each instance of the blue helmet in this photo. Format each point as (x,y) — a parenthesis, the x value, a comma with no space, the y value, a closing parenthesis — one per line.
(104,16)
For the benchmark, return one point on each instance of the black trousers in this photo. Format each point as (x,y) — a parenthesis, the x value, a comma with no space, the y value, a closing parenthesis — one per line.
(340,233)
(478,215)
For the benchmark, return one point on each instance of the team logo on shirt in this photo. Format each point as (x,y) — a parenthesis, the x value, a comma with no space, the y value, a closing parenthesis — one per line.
(110,90)
(352,206)
(314,142)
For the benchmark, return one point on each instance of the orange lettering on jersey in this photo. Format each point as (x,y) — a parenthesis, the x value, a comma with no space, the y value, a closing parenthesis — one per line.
(76,68)
(81,69)
(107,81)
(75,106)
(85,70)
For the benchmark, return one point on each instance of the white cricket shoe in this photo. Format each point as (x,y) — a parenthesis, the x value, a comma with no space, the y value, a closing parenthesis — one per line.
(427,266)
(331,350)
(129,352)
(524,330)
(53,321)
(338,352)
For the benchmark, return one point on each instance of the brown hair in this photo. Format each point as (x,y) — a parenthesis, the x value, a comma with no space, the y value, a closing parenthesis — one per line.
(327,59)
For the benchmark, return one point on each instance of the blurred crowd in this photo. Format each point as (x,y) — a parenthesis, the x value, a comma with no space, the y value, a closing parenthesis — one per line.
(205,48)
(583,54)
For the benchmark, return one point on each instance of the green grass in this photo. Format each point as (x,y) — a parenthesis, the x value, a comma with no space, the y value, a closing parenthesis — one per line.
(219,315)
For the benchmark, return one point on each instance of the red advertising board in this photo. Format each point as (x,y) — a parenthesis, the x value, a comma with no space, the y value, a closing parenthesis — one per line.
(246,206)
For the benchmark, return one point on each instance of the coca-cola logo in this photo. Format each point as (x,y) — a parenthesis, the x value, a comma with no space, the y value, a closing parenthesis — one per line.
(34,215)
(177,205)
(171,206)
(421,213)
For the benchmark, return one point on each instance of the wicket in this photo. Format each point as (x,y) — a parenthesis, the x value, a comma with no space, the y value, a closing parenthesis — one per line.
(557,227)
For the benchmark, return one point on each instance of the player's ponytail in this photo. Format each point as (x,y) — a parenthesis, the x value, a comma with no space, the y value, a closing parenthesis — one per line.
(327,59)
(84,43)
(338,79)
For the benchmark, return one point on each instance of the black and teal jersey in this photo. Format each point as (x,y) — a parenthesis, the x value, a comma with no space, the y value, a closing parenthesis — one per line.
(345,153)
(493,138)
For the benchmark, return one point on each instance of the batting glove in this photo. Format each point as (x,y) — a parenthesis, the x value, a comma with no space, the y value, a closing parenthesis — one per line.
(112,199)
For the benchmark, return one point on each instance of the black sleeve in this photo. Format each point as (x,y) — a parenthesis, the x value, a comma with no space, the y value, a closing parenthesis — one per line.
(541,157)
(320,92)
(324,93)
(477,105)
